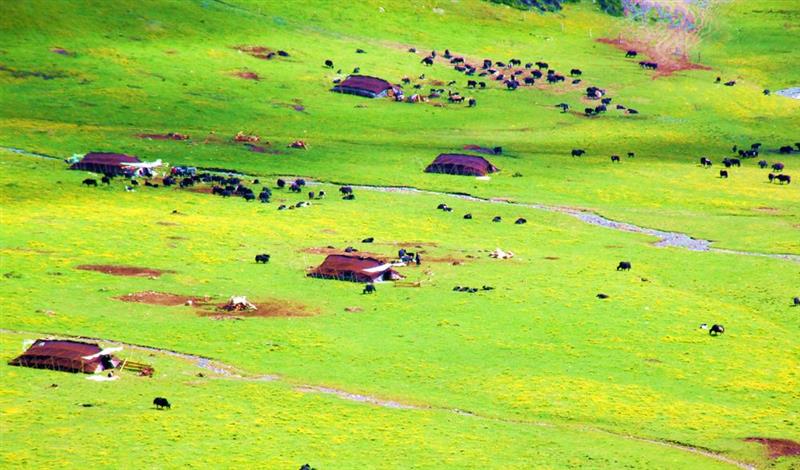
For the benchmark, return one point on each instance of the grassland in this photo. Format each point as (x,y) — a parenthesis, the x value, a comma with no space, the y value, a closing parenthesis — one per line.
(556,376)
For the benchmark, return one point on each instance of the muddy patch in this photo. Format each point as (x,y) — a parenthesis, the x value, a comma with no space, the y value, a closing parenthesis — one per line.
(264,308)
(131,271)
(777,447)
(660,52)
(260,52)
(162,298)
(247,75)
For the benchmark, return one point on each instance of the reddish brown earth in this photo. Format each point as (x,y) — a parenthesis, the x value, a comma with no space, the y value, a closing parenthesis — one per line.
(161,298)
(777,447)
(248,75)
(264,308)
(668,62)
(259,52)
(123,270)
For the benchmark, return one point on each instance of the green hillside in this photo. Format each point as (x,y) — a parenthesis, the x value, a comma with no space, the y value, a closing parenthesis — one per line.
(537,372)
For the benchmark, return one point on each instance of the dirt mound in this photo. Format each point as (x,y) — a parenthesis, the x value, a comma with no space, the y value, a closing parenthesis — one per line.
(161,298)
(264,308)
(777,447)
(123,270)
(247,75)
(660,52)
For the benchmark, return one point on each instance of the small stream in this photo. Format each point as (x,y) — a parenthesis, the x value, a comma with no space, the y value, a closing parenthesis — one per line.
(665,238)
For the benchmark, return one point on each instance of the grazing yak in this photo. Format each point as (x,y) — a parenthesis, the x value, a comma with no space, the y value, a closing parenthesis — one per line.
(161,403)
(602,296)
(786,149)
(262,258)
(89,182)
(520,221)
(796,302)
(624,266)
(497,218)
(578,152)
(777,166)
(368,240)
(369,289)
(468,216)
(615,158)
(716,330)
(329,64)
(763,164)
(784,179)
(107,180)
(723,173)
(631,53)
(705,162)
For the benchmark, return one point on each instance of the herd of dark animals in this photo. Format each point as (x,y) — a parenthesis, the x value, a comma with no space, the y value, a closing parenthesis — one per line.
(232,186)
(509,74)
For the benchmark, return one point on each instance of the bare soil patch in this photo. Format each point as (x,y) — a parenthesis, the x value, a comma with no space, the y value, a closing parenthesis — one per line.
(124,270)
(162,298)
(247,75)
(264,308)
(777,447)
(659,52)
(259,52)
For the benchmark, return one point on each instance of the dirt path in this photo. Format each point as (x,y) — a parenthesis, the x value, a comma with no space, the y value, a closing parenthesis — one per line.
(229,371)
(665,238)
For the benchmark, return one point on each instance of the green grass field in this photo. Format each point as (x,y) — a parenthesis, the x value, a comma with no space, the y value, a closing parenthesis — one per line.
(537,373)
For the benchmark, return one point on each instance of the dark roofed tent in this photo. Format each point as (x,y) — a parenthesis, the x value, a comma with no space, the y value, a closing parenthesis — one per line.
(458,164)
(106,163)
(363,85)
(355,268)
(70,356)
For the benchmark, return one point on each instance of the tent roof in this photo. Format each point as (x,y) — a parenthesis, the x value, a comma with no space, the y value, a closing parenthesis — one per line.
(473,162)
(102,158)
(365,82)
(362,268)
(61,355)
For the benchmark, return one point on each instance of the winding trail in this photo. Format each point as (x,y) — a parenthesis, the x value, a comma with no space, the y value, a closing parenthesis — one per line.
(229,371)
(665,238)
